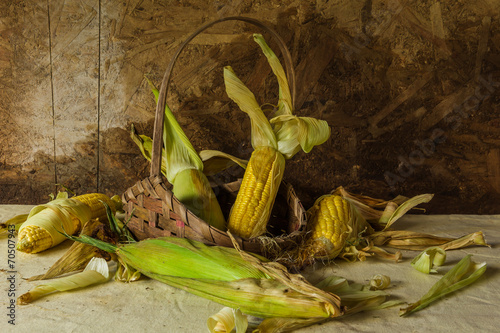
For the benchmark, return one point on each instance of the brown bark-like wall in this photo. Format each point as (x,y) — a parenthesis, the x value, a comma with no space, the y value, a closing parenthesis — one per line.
(410,90)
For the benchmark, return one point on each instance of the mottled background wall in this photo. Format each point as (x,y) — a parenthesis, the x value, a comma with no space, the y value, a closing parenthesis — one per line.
(409,88)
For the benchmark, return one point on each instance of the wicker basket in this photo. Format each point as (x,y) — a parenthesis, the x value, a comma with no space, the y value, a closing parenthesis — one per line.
(155,212)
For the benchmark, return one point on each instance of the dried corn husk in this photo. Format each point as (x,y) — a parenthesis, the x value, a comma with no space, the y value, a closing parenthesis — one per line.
(16,221)
(379,282)
(97,271)
(79,254)
(355,298)
(417,241)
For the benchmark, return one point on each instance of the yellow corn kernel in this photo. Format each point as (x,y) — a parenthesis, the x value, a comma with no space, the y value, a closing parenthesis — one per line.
(33,239)
(255,199)
(329,224)
(93,201)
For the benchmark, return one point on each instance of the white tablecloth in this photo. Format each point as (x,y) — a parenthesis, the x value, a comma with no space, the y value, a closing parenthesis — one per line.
(150,306)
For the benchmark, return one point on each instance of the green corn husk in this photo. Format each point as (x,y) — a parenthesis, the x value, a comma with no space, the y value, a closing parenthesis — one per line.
(235,279)
(461,275)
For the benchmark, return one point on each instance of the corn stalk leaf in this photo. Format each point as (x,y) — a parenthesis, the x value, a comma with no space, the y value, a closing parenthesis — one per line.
(461,275)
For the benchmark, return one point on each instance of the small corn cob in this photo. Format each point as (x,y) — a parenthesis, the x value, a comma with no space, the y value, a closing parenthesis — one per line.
(39,232)
(255,199)
(33,239)
(329,223)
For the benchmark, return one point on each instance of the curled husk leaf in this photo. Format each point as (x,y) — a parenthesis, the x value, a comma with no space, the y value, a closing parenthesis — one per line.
(380,282)
(227,320)
(429,259)
(356,297)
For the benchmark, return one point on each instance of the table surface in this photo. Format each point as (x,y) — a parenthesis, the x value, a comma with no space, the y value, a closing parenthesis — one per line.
(151,306)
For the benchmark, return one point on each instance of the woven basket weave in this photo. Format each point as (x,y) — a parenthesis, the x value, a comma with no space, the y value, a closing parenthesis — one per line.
(155,212)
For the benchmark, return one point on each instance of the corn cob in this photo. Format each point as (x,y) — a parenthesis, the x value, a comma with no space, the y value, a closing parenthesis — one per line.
(335,229)
(273,141)
(39,232)
(33,239)
(329,224)
(261,181)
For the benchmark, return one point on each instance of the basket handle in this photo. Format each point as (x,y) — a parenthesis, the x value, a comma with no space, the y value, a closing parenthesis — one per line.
(160,107)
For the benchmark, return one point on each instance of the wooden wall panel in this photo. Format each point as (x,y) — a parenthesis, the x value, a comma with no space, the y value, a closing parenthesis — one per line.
(74,32)
(409,88)
(26,116)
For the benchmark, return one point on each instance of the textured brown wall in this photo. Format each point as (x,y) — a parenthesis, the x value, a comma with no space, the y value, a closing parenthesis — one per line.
(409,88)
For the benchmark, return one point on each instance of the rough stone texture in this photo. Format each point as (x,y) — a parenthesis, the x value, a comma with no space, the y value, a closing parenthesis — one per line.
(409,88)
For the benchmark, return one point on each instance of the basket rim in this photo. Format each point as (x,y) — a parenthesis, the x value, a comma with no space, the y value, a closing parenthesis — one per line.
(156,189)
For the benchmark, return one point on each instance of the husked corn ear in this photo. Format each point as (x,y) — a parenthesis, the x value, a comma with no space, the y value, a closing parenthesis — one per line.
(255,199)
(329,222)
(93,201)
(41,229)
(33,239)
